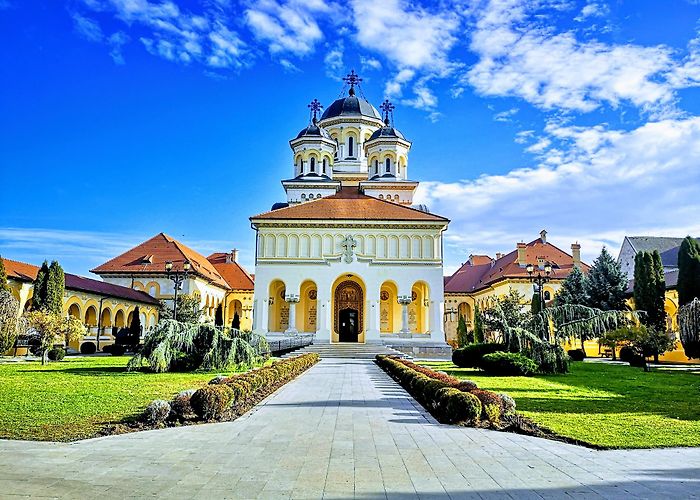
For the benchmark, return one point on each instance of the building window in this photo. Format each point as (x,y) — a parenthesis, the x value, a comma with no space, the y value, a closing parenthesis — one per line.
(318,196)
(381,196)
(324,165)
(547,295)
(388,165)
(376,166)
(313,164)
(350,146)
(303,196)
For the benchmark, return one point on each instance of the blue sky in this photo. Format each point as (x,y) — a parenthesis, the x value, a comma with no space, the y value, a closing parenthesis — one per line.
(123,118)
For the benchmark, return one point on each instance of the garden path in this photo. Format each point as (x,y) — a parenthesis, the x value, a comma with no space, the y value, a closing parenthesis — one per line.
(341,429)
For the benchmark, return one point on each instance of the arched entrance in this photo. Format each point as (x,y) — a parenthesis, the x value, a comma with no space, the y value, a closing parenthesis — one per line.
(348,311)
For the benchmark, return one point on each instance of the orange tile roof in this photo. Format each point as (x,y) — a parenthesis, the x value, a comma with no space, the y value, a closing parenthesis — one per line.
(151,256)
(234,274)
(472,277)
(349,204)
(27,272)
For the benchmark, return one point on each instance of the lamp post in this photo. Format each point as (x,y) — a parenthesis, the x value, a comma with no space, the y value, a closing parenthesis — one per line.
(539,279)
(177,277)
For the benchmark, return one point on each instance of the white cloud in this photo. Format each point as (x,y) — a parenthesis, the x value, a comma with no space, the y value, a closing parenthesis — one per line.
(334,61)
(505,116)
(589,181)
(87,28)
(370,63)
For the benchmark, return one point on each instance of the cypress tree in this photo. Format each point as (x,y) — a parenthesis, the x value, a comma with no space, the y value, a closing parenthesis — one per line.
(606,284)
(40,283)
(658,320)
(4,285)
(688,271)
(219,316)
(55,288)
(236,323)
(573,290)
(462,332)
(641,283)
(478,325)
(135,326)
(535,304)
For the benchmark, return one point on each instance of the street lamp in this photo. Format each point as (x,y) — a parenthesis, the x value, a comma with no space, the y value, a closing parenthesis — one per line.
(177,277)
(539,279)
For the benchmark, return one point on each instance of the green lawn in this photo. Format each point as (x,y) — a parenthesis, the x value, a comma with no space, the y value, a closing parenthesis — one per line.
(606,405)
(75,398)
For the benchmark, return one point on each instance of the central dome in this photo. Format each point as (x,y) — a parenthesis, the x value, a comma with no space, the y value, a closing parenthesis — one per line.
(351,106)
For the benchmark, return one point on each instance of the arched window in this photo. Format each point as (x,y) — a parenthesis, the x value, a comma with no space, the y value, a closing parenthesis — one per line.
(324,165)
(381,196)
(350,146)
(388,165)
(547,295)
(376,166)
(318,195)
(303,196)
(313,164)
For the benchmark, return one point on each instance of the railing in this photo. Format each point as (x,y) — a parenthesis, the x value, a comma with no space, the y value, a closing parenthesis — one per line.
(289,343)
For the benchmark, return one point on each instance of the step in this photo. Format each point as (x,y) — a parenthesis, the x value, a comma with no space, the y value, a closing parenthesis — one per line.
(352,351)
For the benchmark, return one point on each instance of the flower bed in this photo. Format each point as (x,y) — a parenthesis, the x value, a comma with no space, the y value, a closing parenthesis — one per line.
(449,399)
(222,399)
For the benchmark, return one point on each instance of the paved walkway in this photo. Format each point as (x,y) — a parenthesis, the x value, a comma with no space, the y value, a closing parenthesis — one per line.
(342,429)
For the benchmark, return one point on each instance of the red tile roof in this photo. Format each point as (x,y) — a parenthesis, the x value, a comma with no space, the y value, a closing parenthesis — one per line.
(472,276)
(234,274)
(151,256)
(27,272)
(349,204)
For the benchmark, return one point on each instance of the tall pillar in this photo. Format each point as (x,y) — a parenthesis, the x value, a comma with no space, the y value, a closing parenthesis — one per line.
(405,331)
(373,320)
(437,333)
(260,315)
(292,300)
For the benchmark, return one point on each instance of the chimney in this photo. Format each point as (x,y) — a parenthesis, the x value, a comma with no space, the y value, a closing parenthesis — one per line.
(522,259)
(576,254)
(499,255)
(471,259)
(232,257)
(543,236)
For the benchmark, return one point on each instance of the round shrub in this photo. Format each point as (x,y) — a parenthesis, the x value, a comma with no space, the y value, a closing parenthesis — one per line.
(491,404)
(108,348)
(466,385)
(457,406)
(117,350)
(470,356)
(219,379)
(180,407)
(508,404)
(576,354)
(88,348)
(626,354)
(56,354)
(156,412)
(637,360)
(211,401)
(507,364)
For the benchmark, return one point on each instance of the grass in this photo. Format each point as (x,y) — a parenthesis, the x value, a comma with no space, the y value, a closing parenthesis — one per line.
(75,398)
(610,406)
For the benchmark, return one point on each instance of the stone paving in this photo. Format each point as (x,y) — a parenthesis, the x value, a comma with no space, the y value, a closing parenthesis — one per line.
(343,429)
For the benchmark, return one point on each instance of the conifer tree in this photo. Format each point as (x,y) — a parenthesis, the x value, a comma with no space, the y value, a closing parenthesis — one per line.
(478,325)
(606,284)
(219,316)
(658,319)
(573,289)
(650,289)
(688,271)
(462,332)
(236,323)
(4,286)
(535,304)
(55,288)
(135,326)
(40,283)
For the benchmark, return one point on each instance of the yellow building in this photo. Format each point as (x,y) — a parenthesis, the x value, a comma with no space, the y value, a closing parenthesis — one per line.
(483,279)
(102,307)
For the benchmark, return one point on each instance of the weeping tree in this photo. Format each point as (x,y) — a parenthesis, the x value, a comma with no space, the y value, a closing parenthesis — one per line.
(689,323)
(173,345)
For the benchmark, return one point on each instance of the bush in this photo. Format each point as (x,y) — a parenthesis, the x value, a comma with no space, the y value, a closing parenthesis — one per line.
(180,407)
(456,406)
(211,401)
(508,404)
(626,354)
(56,354)
(88,348)
(156,412)
(470,356)
(219,379)
(638,361)
(108,348)
(507,364)
(576,354)
(492,405)
(117,350)
(466,385)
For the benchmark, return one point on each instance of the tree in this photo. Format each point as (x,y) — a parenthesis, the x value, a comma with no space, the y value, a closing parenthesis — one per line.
(606,284)
(650,289)
(652,342)
(236,323)
(689,323)
(4,285)
(55,289)
(135,325)
(573,289)
(511,309)
(188,308)
(9,321)
(40,284)
(536,303)
(463,335)
(219,316)
(688,271)
(48,328)
(478,325)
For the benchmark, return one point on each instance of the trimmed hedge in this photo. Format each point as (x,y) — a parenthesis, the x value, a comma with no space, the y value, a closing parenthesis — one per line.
(507,364)
(447,398)
(214,400)
(470,356)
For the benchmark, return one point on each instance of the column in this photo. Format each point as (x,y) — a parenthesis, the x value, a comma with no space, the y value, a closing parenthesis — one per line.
(292,300)
(373,319)
(437,333)
(260,315)
(405,331)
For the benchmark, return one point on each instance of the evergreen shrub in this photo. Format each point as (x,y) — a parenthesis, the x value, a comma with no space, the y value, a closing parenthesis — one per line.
(576,354)
(117,350)
(156,412)
(88,348)
(56,354)
(180,407)
(211,401)
(507,364)
(626,354)
(466,385)
(470,356)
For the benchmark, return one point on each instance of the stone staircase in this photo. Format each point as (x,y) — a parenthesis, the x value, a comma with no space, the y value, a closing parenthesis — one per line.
(347,350)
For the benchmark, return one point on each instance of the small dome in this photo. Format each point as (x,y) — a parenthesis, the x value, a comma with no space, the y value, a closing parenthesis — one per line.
(422,208)
(279,205)
(387,131)
(351,105)
(313,130)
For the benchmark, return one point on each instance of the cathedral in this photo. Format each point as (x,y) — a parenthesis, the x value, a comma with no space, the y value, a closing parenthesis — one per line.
(348,255)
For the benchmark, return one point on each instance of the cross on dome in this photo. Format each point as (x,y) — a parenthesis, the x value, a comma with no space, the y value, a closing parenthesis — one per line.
(315,106)
(387,107)
(353,79)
